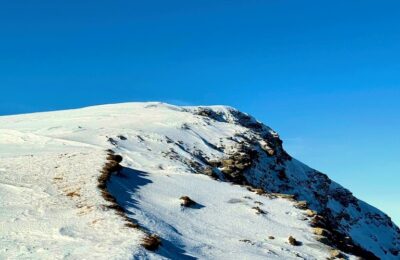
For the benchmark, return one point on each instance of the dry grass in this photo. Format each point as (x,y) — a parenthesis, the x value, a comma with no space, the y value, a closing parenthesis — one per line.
(108,197)
(96,221)
(151,242)
(112,165)
(293,241)
(186,201)
(131,225)
(73,194)
(115,157)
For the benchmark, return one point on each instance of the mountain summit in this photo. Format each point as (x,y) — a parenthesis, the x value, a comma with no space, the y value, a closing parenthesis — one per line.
(157,181)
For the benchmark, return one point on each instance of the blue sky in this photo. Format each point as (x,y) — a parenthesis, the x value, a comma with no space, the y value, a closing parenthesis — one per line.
(324,74)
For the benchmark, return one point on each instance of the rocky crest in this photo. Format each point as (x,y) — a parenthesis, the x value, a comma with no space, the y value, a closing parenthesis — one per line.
(257,159)
(161,143)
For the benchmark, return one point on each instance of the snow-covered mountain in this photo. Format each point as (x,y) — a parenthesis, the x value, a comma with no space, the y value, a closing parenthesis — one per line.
(206,182)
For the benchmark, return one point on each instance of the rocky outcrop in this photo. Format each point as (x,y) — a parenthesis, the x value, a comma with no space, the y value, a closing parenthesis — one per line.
(259,160)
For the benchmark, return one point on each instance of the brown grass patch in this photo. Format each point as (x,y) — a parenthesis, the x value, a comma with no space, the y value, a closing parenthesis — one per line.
(73,194)
(115,157)
(186,201)
(96,220)
(293,241)
(131,225)
(151,242)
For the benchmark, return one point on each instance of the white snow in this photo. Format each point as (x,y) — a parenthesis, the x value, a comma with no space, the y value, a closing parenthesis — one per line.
(45,156)
(37,218)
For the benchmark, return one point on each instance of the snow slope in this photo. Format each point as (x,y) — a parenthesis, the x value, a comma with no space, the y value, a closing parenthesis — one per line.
(50,204)
(51,207)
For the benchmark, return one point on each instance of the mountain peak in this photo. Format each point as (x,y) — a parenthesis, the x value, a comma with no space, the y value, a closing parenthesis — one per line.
(249,197)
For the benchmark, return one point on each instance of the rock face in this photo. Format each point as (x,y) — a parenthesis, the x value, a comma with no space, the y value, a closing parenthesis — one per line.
(258,159)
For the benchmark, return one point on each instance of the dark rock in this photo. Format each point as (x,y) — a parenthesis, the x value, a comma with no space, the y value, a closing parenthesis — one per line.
(123,138)
(112,141)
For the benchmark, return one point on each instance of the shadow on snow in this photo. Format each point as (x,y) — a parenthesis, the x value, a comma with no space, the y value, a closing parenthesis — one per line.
(124,187)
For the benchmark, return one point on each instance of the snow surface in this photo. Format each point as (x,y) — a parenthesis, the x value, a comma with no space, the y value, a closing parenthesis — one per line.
(51,207)
(37,218)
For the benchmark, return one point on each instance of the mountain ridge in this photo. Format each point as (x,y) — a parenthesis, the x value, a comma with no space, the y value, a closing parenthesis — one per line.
(227,145)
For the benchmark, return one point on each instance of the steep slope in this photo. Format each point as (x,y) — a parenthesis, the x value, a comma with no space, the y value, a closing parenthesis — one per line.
(167,152)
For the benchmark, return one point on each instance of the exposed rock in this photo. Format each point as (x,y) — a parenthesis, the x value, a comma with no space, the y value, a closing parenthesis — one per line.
(318,221)
(301,205)
(228,163)
(321,232)
(123,138)
(208,171)
(264,146)
(323,240)
(336,254)
(293,241)
(228,170)
(395,252)
(257,158)
(186,201)
(310,213)
(241,166)
(284,196)
(209,113)
(215,163)
(258,191)
(282,175)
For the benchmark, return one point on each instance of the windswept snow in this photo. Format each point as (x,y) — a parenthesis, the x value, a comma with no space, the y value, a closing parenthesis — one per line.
(223,224)
(51,207)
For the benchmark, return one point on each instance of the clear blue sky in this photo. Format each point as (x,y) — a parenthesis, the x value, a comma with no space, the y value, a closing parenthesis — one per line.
(325,74)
